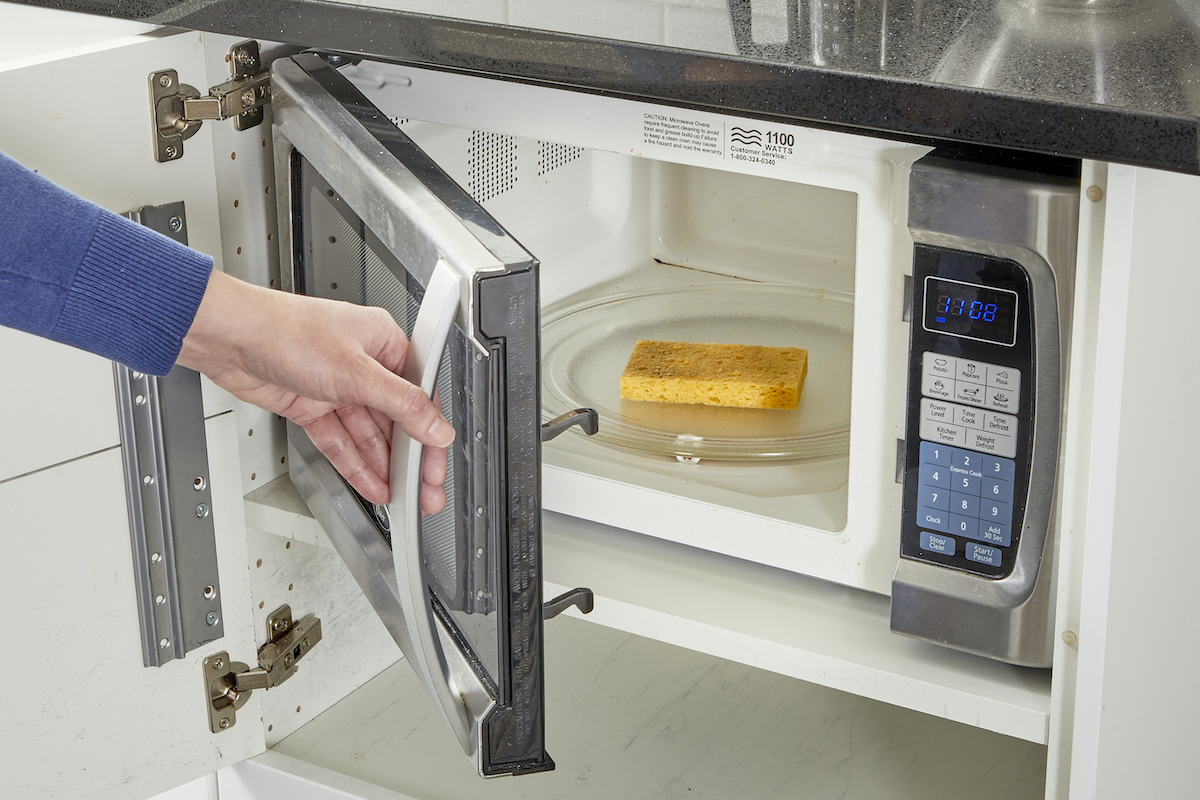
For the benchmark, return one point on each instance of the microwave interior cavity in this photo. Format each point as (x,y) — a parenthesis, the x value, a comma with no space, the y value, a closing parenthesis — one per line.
(634,247)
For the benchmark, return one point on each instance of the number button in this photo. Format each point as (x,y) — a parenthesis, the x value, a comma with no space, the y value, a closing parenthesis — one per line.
(933,497)
(997,490)
(990,511)
(1004,469)
(964,504)
(965,459)
(966,484)
(964,526)
(932,453)
(933,475)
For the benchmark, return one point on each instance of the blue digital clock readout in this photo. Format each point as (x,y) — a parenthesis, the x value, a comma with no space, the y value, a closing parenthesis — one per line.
(970,310)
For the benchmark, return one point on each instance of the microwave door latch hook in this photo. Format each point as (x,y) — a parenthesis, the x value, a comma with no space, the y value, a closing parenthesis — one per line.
(585,418)
(583,599)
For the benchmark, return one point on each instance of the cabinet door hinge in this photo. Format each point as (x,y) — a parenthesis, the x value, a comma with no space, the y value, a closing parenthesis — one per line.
(177,110)
(228,684)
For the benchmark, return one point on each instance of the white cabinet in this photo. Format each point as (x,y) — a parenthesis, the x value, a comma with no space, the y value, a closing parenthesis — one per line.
(698,674)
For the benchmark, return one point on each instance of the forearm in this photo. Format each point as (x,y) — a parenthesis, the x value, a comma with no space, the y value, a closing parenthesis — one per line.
(73,272)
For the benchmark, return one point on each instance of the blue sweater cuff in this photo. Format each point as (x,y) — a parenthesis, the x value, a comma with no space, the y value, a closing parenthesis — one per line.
(134,297)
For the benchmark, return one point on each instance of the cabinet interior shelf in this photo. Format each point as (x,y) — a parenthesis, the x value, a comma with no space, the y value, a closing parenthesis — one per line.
(760,616)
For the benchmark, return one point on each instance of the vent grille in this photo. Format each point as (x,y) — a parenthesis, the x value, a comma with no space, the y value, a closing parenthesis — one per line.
(552,155)
(491,164)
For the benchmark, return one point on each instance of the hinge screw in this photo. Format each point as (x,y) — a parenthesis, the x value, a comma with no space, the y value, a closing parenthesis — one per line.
(164,80)
(218,664)
(280,626)
(202,510)
(223,724)
(243,57)
(212,618)
(171,152)
(248,97)
(176,224)
(287,660)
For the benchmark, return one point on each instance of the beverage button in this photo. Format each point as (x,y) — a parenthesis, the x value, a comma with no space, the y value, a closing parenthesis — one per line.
(937,543)
(937,386)
(971,372)
(982,554)
(933,518)
(970,417)
(939,365)
(932,453)
(935,497)
(942,433)
(995,533)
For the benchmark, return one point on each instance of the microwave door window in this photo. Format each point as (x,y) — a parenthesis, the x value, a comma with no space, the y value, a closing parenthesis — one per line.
(345,261)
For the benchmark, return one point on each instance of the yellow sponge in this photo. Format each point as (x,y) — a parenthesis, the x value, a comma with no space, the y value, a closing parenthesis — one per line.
(743,376)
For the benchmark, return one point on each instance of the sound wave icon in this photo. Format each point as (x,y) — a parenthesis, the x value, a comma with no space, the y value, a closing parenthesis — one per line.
(745,136)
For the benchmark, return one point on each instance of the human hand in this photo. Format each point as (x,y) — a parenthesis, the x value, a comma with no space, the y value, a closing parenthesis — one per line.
(331,367)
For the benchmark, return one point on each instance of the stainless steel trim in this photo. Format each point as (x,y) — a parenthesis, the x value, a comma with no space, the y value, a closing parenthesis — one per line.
(1032,220)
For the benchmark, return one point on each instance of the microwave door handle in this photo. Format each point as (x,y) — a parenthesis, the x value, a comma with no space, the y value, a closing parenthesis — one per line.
(430,332)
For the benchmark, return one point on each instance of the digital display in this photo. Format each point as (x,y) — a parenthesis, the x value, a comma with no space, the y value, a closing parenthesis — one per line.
(971,310)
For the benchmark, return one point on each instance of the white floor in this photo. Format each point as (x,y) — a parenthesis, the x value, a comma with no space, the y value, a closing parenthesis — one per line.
(629,717)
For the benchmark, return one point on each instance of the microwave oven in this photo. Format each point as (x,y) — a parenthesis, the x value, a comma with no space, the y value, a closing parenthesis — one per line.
(525,246)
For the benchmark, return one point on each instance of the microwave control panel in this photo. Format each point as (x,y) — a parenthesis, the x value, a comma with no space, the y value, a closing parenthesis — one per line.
(971,375)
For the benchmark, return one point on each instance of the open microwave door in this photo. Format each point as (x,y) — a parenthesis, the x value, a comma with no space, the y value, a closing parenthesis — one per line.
(367,217)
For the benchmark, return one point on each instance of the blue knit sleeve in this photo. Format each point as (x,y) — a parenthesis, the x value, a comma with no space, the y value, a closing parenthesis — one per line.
(78,274)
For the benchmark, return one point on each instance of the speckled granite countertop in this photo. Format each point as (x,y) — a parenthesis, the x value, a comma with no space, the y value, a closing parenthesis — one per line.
(1115,80)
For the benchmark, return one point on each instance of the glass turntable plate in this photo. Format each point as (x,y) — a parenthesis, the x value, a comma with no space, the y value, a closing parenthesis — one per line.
(586,345)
